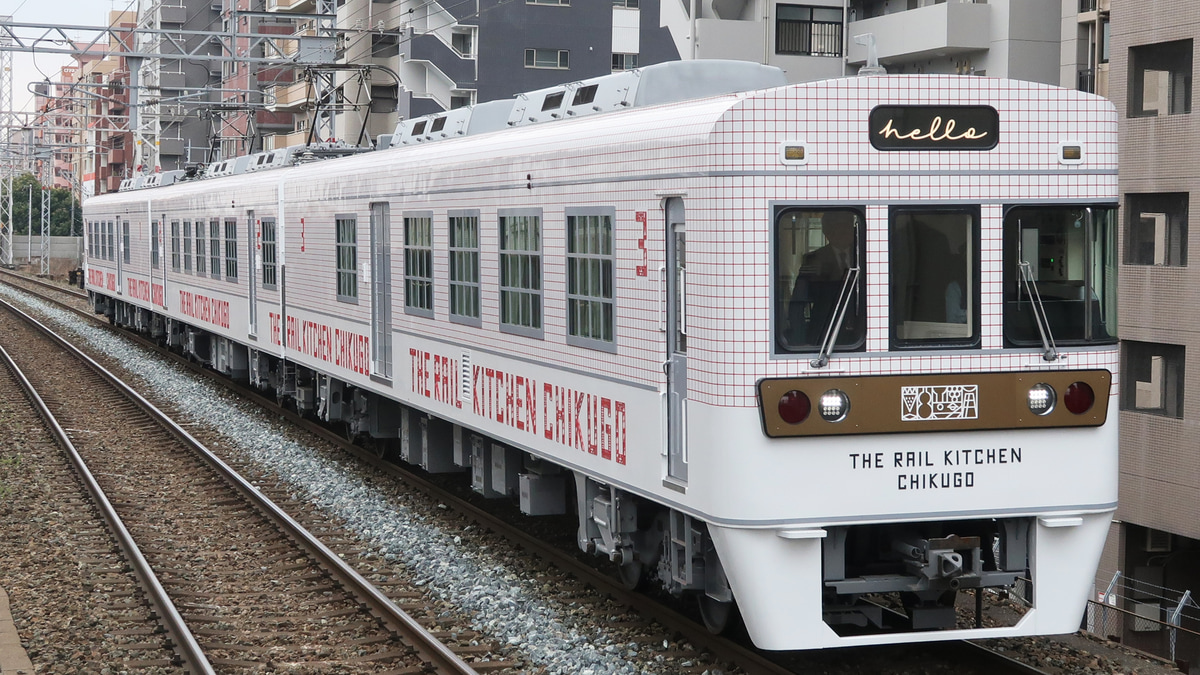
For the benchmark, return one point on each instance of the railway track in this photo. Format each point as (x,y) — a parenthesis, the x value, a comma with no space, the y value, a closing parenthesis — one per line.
(235,582)
(688,638)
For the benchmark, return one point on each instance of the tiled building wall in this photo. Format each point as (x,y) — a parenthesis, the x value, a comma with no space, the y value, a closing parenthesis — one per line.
(1160,465)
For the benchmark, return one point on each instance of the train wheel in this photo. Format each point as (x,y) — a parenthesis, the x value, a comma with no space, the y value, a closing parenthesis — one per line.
(631,574)
(718,616)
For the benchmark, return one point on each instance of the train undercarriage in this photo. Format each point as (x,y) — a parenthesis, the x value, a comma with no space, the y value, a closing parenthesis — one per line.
(876,577)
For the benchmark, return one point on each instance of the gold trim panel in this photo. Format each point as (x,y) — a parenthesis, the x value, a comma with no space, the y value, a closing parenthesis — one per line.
(885,404)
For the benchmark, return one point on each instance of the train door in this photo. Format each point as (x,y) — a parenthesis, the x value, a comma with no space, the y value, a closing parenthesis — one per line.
(254,263)
(381,291)
(676,363)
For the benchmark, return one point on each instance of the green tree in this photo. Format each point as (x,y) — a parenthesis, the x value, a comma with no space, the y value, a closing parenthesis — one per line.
(61,201)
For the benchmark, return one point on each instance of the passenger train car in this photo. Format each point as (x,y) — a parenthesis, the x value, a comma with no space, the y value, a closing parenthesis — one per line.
(840,355)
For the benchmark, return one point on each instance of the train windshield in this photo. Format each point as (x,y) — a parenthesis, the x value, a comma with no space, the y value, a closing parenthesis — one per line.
(1060,262)
(934,277)
(816,251)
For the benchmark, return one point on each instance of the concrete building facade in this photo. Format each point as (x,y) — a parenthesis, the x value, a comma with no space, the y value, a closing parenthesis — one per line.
(1156,543)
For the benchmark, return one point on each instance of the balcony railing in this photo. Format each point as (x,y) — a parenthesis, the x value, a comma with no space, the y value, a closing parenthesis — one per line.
(1087,80)
(1087,6)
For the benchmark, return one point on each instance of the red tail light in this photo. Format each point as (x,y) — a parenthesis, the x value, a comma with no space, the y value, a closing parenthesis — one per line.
(1079,398)
(794,407)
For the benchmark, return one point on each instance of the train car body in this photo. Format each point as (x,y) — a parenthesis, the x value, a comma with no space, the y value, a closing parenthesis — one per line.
(630,315)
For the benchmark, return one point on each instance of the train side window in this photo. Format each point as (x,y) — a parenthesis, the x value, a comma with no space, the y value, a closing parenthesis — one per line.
(1060,262)
(269,269)
(521,271)
(214,248)
(155,235)
(347,258)
(176,264)
(201,254)
(110,243)
(231,261)
(187,246)
(464,267)
(934,277)
(816,251)
(418,264)
(590,263)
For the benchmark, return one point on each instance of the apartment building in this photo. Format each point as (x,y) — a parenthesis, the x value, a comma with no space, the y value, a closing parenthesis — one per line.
(1156,544)
(451,54)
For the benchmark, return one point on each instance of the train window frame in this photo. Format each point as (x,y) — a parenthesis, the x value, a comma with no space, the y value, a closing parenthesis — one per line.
(125,245)
(201,249)
(464,255)
(186,241)
(346,257)
(176,265)
(214,248)
(587,263)
(971,294)
(111,242)
(1099,304)
(783,289)
(418,263)
(509,260)
(270,258)
(231,250)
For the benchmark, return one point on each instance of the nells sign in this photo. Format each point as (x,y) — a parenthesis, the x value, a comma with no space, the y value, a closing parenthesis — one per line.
(934,127)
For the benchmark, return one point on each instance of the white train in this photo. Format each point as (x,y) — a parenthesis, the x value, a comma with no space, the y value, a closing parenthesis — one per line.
(808,351)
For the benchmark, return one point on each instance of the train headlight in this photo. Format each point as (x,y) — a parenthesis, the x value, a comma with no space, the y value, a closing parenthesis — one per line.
(794,407)
(1079,397)
(1042,399)
(834,405)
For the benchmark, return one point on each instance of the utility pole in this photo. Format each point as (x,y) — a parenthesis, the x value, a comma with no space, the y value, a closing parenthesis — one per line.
(8,168)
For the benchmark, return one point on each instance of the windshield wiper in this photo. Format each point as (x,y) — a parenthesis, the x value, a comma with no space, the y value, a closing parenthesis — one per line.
(1039,311)
(835,319)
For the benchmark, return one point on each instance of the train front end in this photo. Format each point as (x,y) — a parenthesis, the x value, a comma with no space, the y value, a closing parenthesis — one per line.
(914,437)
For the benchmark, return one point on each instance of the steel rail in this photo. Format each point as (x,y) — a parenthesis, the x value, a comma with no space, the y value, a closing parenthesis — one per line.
(183,642)
(440,657)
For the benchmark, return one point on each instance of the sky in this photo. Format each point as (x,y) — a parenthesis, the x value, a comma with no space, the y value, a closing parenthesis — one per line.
(36,67)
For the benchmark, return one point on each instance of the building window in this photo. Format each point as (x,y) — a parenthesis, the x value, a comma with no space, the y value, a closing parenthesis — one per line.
(521,272)
(1156,229)
(464,267)
(269,271)
(231,271)
(1152,378)
(462,100)
(624,62)
(201,256)
(153,244)
(548,58)
(590,262)
(347,259)
(385,46)
(548,2)
(1160,79)
(187,246)
(808,31)
(214,248)
(463,43)
(175,262)
(627,4)
(418,264)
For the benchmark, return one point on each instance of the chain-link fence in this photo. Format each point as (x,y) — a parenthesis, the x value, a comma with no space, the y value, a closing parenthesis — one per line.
(1154,619)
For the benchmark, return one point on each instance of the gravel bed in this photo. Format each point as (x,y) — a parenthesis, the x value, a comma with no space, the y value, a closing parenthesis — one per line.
(495,584)
(74,605)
